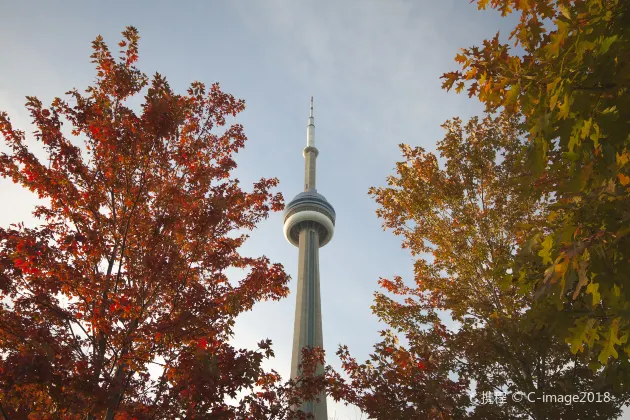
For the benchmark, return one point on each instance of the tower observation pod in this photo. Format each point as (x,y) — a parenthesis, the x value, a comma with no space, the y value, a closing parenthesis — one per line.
(309,223)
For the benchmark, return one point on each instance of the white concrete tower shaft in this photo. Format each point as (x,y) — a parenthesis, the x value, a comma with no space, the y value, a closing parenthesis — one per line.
(309,224)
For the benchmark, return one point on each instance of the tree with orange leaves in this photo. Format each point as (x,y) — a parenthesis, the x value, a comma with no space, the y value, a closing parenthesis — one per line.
(118,306)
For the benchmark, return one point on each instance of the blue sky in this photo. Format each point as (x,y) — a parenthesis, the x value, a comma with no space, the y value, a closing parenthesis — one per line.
(373,67)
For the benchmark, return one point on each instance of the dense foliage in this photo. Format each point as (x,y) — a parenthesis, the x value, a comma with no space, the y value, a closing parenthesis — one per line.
(521,242)
(461,318)
(527,226)
(569,78)
(117,305)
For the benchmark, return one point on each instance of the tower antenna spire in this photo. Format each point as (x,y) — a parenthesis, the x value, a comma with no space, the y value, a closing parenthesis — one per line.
(310,130)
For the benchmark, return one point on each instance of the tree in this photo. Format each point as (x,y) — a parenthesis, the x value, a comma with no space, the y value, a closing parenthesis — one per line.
(118,305)
(569,80)
(458,222)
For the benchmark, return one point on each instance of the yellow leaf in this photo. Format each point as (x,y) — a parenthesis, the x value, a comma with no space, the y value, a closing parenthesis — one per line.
(553,101)
(625,180)
(552,85)
(557,39)
(583,279)
(563,110)
(471,73)
(611,340)
(460,58)
(524,4)
(561,267)
(595,134)
(545,252)
(592,289)
(622,159)
(586,128)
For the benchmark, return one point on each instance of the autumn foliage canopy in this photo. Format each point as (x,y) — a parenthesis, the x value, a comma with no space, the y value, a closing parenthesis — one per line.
(521,231)
(569,80)
(118,305)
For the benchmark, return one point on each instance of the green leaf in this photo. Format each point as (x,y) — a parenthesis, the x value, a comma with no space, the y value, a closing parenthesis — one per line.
(580,333)
(538,156)
(512,94)
(524,226)
(572,156)
(566,234)
(606,43)
(621,233)
(506,281)
(578,181)
(582,47)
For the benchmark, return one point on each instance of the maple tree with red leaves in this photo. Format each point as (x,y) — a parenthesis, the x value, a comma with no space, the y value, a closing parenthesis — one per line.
(117,305)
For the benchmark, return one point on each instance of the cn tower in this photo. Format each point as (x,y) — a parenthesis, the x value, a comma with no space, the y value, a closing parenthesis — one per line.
(309,223)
